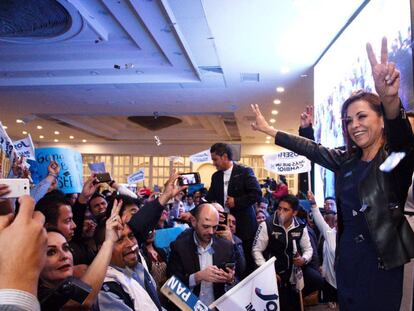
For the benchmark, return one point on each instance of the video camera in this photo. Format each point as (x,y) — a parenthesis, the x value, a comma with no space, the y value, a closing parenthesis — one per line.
(269,183)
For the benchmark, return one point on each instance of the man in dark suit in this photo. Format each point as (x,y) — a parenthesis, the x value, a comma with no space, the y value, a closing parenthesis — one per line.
(236,188)
(197,254)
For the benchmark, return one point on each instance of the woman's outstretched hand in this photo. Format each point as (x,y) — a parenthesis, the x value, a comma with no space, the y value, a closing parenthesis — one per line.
(261,124)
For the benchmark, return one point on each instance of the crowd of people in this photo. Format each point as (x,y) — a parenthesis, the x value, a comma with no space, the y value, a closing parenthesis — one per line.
(98,249)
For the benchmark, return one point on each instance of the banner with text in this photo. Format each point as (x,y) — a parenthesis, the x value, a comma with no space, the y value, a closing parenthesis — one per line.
(25,148)
(286,162)
(258,291)
(70,179)
(203,156)
(136,177)
(182,296)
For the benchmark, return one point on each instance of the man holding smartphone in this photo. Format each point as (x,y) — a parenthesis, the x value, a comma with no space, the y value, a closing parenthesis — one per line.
(236,188)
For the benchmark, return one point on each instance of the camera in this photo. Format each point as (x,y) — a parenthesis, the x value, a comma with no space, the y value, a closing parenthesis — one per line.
(269,183)
(70,288)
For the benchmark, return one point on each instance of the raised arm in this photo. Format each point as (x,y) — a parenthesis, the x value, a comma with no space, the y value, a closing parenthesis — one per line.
(96,272)
(387,80)
(326,157)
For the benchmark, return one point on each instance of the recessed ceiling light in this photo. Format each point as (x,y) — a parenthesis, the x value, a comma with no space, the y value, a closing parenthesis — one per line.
(284,69)
(24,133)
(41,136)
(5,127)
(267,142)
(277,101)
(71,137)
(275,112)
(272,120)
(57,132)
(280,89)
(56,140)
(39,127)
(84,140)
(268,137)
(19,121)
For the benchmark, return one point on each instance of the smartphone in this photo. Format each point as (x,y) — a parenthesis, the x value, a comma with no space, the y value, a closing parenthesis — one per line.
(18,187)
(188,179)
(223,220)
(156,188)
(225,265)
(103,177)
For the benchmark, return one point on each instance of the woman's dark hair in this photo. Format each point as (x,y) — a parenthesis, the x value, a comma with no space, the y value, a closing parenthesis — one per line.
(54,229)
(282,178)
(375,104)
(49,206)
(220,149)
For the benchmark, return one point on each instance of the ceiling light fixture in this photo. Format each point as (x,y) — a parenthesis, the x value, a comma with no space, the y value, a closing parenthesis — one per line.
(267,142)
(268,137)
(277,101)
(280,89)
(71,137)
(19,121)
(39,127)
(275,112)
(272,120)
(24,133)
(5,127)
(84,140)
(57,132)
(56,140)
(41,136)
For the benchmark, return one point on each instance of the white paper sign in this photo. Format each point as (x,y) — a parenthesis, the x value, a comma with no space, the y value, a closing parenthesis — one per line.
(203,156)
(176,159)
(25,148)
(286,162)
(6,143)
(136,177)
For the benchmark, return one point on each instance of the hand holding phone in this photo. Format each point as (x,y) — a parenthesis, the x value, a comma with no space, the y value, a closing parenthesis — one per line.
(16,187)
(188,179)
(103,177)
(225,265)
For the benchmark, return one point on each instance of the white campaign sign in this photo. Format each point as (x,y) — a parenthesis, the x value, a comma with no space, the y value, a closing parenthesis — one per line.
(203,156)
(25,148)
(286,162)
(136,177)
(6,143)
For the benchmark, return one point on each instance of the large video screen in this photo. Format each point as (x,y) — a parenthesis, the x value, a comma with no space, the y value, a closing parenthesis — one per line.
(345,68)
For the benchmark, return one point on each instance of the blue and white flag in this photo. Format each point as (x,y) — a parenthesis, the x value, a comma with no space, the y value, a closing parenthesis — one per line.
(203,156)
(258,291)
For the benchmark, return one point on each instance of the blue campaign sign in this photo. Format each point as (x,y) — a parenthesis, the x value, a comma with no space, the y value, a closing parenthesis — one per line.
(182,296)
(70,179)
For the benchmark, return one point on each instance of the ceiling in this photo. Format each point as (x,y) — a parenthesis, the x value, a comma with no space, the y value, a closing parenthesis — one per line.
(203,61)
